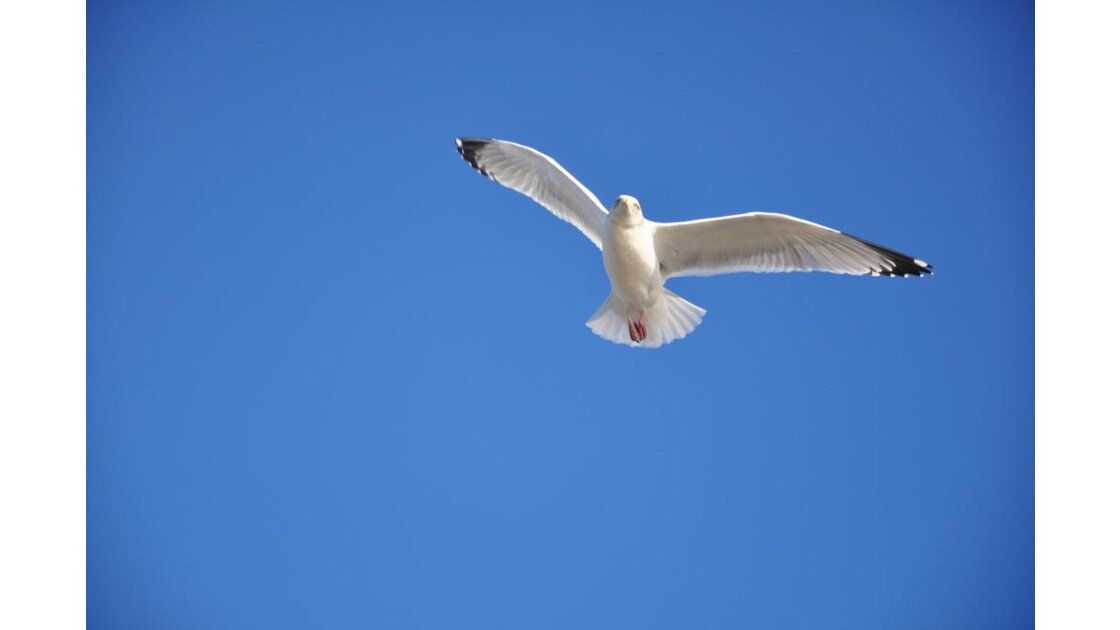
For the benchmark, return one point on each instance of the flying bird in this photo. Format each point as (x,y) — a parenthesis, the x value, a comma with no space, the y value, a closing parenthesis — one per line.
(640,255)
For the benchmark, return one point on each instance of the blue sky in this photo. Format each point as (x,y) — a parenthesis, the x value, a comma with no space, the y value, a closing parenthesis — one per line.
(337,379)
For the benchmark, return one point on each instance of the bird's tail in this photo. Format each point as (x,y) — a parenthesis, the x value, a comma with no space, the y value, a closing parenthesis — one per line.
(670,318)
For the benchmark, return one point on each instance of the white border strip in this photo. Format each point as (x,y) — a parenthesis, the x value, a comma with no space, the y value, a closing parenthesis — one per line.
(42,314)
(1077,450)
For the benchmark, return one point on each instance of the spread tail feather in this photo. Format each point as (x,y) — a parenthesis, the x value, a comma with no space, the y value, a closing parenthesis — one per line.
(670,318)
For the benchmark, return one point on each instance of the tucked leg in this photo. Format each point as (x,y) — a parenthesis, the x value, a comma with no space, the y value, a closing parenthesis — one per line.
(637,328)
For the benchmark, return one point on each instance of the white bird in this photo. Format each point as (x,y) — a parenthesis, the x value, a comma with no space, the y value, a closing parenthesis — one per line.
(640,255)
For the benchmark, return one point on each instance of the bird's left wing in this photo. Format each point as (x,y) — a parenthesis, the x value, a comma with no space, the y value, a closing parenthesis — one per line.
(533,173)
(764,241)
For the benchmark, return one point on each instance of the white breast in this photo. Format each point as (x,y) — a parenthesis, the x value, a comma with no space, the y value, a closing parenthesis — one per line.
(631,262)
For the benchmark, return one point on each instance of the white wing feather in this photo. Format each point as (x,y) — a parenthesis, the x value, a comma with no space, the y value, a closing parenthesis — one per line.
(533,173)
(768,242)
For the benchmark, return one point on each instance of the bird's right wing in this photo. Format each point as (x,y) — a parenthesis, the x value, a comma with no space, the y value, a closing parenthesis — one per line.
(533,173)
(765,241)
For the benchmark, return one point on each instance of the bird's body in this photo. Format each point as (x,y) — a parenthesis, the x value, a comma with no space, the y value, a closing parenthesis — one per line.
(640,255)
(631,260)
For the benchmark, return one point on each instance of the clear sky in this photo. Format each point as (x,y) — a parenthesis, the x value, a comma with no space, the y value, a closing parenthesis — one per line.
(336,379)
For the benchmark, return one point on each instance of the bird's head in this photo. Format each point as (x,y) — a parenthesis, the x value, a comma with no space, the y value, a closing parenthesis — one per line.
(626,209)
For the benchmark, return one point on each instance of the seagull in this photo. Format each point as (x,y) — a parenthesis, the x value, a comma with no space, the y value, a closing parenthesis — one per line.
(640,255)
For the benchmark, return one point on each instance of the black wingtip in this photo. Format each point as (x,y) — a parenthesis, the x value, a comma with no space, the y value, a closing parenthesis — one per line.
(469,148)
(902,265)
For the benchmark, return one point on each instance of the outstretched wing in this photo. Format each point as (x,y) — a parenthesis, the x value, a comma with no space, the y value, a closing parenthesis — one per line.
(533,173)
(767,242)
